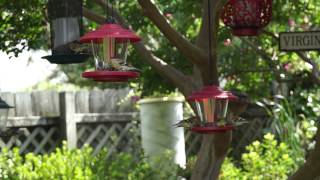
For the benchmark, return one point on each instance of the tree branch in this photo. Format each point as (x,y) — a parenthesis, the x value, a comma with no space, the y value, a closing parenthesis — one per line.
(244,71)
(268,33)
(263,54)
(315,68)
(165,70)
(190,51)
(92,16)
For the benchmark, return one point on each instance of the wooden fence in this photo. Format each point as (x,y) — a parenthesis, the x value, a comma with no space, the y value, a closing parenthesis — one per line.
(96,118)
(46,118)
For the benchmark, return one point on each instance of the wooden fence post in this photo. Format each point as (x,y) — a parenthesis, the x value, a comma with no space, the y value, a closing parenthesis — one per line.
(68,123)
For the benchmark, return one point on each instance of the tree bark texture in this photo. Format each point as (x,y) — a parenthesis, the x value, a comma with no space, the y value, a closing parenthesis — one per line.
(192,52)
(211,155)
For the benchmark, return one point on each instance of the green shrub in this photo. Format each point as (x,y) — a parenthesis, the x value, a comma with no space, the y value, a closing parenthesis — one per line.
(76,164)
(292,126)
(61,164)
(268,160)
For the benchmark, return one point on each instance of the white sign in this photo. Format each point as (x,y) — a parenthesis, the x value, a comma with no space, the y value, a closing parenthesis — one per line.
(300,41)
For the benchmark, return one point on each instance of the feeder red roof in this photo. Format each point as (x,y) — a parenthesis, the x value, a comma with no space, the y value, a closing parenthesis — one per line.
(111,31)
(211,92)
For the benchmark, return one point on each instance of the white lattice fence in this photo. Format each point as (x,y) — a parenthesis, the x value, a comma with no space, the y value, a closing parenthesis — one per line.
(44,118)
(40,139)
(94,118)
(122,137)
(116,137)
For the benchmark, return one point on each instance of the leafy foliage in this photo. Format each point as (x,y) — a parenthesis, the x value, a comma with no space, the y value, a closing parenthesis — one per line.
(285,124)
(79,165)
(184,16)
(62,164)
(265,160)
(295,123)
(307,106)
(244,69)
(23,25)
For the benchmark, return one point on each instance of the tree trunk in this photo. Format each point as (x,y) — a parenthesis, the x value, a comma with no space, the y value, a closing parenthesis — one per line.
(214,147)
(311,169)
(211,156)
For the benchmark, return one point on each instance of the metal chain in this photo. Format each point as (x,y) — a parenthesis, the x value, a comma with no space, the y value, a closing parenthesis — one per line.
(210,45)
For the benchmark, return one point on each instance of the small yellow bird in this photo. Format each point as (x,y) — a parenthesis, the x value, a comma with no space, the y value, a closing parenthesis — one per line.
(221,122)
(119,65)
(113,64)
(79,48)
(188,123)
(238,121)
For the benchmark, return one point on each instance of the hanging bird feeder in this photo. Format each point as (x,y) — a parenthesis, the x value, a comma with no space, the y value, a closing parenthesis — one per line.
(211,107)
(66,28)
(247,17)
(109,45)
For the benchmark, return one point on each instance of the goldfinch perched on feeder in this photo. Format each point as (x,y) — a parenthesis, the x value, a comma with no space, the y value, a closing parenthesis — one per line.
(236,121)
(119,65)
(113,64)
(240,121)
(72,48)
(79,48)
(188,123)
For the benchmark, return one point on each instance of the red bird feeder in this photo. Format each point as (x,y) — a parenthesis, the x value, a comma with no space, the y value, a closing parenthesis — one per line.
(247,17)
(211,107)
(109,45)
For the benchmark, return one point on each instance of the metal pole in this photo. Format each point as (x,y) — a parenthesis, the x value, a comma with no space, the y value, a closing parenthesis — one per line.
(211,81)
